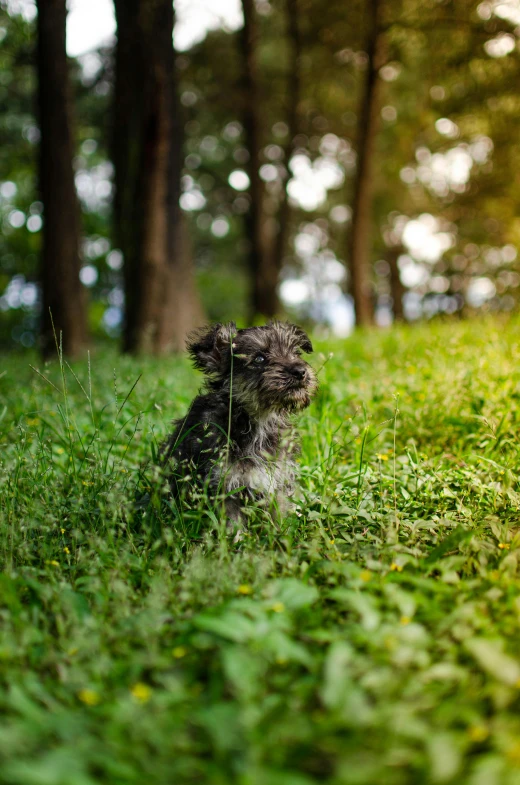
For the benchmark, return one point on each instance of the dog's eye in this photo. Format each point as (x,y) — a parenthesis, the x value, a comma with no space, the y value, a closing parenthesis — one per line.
(259,359)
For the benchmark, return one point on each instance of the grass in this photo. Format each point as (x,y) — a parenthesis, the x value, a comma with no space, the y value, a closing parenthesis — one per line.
(372,637)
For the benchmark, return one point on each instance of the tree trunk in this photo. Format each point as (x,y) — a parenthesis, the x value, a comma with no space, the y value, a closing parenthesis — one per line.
(293,98)
(261,297)
(360,245)
(266,250)
(148,159)
(182,310)
(63,297)
(397,289)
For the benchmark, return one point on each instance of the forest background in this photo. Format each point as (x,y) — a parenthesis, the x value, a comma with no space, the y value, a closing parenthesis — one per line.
(335,162)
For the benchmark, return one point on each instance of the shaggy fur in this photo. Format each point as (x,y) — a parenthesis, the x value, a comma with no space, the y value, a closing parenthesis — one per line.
(236,440)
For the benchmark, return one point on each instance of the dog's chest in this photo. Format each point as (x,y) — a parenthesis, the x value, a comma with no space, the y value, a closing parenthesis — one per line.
(265,477)
(264,462)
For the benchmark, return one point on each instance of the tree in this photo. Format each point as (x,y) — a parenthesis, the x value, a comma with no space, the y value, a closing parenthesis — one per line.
(267,238)
(161,302)
(63,299)
(397,290)
(359,239)
(293,93)
(261,285)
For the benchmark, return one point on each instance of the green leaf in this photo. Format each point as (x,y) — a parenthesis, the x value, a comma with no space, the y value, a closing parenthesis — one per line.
(285,649)
(336,676)
(450,542)
(293,593)
(222,722)
(339,691)
(445,757)
(491,657)
(362,604)
(244,670)
(230,625)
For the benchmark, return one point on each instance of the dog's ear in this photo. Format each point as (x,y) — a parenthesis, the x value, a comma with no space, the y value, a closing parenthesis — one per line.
(210,346)
(302,339)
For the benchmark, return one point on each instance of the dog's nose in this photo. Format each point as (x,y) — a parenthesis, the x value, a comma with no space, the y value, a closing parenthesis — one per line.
(298,371)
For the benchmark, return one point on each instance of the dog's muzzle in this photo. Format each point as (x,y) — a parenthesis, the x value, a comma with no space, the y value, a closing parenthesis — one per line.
(298,375)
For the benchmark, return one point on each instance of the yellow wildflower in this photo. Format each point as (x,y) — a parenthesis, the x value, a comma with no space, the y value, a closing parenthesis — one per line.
(179,652)
(504,546)
(141,692)
(365,575)
(89,697)
(396,567)
(244,588)
(66,550)
(478,733)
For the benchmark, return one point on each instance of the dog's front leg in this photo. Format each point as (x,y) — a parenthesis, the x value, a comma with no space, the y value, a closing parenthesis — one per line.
(235,518)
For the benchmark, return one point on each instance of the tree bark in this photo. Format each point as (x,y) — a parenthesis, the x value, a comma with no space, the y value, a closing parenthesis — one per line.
(293,98)
(148,159)
(261,296)
(266,249)
(397,289)
(63,297)
(181,308)
(359,243)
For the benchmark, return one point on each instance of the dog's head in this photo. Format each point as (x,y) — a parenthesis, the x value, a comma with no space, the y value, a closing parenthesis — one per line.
(263,365)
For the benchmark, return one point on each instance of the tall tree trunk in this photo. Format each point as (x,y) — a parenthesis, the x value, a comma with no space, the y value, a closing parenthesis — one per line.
(63,297)
(261,298)
(397,289)
(148,157)
(293,99)
(266,250)
(360,245)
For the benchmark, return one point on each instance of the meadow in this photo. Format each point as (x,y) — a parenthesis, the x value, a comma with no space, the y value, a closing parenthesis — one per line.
(371,637)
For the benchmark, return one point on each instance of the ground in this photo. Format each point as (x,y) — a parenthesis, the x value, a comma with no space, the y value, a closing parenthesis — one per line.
(372,637)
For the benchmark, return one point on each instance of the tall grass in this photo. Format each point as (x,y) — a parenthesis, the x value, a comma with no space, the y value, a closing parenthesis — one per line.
(372,636)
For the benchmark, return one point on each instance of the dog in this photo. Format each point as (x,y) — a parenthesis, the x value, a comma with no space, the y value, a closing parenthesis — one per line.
(237,442)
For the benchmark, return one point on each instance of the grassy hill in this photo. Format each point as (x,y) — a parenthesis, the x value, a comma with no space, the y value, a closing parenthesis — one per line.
(373,637)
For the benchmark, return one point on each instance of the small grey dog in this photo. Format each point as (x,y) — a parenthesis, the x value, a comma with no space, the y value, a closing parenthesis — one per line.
(236,441)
